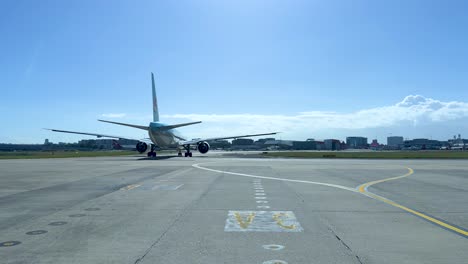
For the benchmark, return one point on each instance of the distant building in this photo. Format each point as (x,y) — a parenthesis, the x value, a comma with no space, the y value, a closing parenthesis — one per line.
(458,143)
(46,141)
(242,142)
(220,144)
(304,145)
(279,144)
(97,143)
(127,142)
(375,145)
(332,144)
(263,140)
(320,145)
(423,143)
(395,141)
(356,142)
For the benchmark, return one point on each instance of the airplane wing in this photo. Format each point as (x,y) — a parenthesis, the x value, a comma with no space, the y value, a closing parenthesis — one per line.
(146,140)
(197,140)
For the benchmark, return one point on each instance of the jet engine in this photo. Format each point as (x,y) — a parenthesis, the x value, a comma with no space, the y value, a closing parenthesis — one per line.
(203,147)
(141,147)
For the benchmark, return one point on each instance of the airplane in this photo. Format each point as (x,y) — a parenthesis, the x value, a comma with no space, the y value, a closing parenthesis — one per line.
(163,135)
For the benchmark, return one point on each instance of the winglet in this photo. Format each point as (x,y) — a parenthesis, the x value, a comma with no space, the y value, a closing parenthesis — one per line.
(155,101)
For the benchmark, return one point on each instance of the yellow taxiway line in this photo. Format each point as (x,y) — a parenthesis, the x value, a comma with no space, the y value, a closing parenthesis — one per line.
(363,189)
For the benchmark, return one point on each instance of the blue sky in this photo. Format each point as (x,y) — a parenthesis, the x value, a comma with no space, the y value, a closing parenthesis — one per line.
(318,69)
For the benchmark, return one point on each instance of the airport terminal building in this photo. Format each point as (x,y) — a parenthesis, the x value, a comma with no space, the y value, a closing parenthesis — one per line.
(357,142)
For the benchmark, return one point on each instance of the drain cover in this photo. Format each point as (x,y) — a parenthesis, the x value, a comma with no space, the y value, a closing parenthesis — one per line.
(273,247)
(77,215)
(9,243)
(57,223)
(36,232)
(92,209)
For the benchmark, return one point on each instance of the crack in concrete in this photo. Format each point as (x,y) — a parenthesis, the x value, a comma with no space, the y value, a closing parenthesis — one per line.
(183,213)
(346,246)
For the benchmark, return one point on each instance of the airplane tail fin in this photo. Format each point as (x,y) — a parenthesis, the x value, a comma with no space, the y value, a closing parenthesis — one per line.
(155,101)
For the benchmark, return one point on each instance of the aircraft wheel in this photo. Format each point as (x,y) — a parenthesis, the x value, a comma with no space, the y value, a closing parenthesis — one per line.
(186,154)
(190,154)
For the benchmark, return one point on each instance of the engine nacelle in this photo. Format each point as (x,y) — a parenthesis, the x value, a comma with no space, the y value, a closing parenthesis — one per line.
(203,147)
(141,147)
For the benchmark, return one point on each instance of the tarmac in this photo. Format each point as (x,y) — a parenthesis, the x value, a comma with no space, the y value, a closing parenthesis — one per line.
(223,209)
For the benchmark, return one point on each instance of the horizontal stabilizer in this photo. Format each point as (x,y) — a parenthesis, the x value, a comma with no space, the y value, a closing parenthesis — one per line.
(178,125)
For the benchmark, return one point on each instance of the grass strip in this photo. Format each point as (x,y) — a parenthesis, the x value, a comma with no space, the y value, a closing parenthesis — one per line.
(62,154)
(371,154)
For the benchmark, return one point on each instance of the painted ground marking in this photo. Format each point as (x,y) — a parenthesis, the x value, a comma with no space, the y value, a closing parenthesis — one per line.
(164,187)
(129,187)
(262,221)
(363,189)
(360,189)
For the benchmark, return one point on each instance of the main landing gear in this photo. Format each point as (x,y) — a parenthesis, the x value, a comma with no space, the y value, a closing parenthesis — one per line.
(152,153)
(187,153)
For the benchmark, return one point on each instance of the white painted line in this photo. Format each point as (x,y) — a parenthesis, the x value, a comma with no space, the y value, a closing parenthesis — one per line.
(263,207)
(166,187)
(262,221)
(260,194)
(129,187)
(260,198)
(261,201)
(177,173)
(198,166)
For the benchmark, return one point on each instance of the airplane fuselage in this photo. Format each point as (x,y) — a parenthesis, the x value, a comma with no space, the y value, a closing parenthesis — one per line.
(163,138)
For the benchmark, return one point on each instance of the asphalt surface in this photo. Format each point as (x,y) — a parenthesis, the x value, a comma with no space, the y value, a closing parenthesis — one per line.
(216,209)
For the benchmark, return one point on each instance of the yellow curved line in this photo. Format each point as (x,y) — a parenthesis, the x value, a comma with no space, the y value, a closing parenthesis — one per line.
(364,186)
(363,190)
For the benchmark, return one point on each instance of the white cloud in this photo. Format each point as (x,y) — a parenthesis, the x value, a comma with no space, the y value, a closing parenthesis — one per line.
(413,111)
(114,115)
